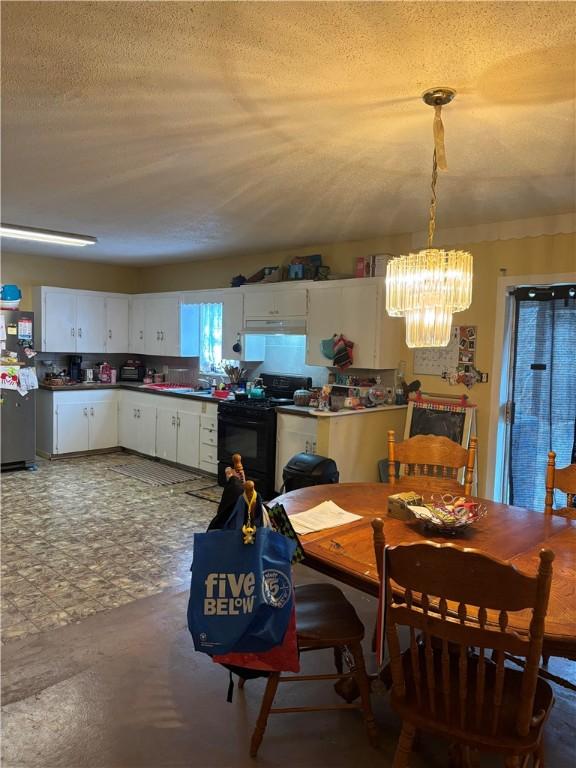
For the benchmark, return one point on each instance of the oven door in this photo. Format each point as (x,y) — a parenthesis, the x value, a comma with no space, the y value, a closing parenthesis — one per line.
(253,436)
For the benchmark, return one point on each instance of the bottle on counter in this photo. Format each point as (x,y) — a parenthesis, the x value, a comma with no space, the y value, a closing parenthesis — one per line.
(105,373)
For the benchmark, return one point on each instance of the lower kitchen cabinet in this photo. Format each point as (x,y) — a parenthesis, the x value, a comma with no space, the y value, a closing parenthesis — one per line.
(73,422)
(294,434)
(178,434)
(137,424)
(356,441)
(72,429)
(178,430)
(188,438)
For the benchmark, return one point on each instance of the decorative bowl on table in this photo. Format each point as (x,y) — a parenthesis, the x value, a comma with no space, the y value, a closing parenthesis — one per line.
(447,514)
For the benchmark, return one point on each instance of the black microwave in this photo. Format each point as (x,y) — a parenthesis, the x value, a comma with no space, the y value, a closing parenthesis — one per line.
(132,372)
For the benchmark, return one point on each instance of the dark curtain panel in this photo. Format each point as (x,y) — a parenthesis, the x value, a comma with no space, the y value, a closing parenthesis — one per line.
(544,389)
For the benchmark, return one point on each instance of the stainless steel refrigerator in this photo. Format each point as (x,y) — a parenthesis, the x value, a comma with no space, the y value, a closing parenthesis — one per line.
(18,412)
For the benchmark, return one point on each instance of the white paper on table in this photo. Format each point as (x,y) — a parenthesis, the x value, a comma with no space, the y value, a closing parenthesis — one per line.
(325,515)
(2,328)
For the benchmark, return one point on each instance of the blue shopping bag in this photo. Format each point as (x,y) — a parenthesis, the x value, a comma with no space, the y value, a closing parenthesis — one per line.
(241,595)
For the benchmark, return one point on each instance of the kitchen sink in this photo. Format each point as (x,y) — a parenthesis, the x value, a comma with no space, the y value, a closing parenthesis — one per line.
(176,390)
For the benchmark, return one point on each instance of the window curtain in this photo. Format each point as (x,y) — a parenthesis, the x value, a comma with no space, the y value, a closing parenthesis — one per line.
(544,390)
(210,337)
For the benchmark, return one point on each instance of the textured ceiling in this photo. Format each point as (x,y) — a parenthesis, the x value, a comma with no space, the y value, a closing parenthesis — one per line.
(174,130)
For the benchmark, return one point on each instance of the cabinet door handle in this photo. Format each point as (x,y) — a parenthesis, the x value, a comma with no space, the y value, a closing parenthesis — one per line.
(157,335)
(178,421)
(91,411)
(173,421)
(79,333)
(141,335)
(72,332)
(134,413)
(85,411)
(161,335)
(109,333)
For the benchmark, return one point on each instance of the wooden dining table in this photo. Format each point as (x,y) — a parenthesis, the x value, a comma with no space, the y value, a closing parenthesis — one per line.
(510,533)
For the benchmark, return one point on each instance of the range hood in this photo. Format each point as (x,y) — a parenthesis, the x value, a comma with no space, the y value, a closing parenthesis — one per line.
(295,326)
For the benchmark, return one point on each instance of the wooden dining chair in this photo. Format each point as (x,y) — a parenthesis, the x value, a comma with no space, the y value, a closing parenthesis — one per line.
(325,620)
(562,480)
(432,461)
(452,600)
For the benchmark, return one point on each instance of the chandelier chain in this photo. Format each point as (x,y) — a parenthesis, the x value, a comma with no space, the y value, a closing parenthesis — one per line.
(432,215)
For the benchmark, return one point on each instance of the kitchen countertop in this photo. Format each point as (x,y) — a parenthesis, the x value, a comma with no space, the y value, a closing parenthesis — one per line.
(135,387)
(298,410)
(295,410)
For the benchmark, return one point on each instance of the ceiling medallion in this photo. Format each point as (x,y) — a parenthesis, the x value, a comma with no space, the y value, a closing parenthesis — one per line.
(427,287)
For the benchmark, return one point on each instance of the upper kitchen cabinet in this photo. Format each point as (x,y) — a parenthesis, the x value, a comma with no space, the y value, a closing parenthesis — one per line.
(117,324)
(136,325)
(356,309)
(55,316)
(162,325)
(90,323)
(71,321)
(270,301)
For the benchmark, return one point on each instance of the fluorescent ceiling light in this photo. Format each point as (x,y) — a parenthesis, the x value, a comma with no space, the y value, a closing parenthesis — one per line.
(46,236)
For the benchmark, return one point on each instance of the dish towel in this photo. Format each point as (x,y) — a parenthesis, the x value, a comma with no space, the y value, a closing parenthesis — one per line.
(343,355)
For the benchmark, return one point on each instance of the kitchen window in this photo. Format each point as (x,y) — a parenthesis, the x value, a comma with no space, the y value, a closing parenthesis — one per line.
(211,337)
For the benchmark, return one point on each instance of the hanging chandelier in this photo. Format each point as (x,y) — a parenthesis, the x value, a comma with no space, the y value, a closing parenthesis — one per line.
(427,287)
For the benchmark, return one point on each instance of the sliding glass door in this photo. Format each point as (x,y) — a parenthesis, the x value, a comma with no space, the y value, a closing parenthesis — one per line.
(543,407)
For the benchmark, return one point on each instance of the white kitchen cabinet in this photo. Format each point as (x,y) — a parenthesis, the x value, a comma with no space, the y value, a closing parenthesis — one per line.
(77,421)
(166,433)
(137,423)
(56,311)
(178,433)
(116,324)
(355,308)
(72,427)
(274,302)
(136,343)
(188,438)
(162,326)
(71,321)
(103,426)
(232,308)
(294,434)
(90,323)
(209,439)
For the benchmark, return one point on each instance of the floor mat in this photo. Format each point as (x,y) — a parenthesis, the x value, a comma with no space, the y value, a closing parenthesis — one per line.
(212,493)
(154,473)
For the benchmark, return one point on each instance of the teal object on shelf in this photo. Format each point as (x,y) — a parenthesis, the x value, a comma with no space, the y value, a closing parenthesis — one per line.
(10,293)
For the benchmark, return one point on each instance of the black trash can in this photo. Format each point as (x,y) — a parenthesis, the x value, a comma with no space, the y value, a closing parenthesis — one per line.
(306,469)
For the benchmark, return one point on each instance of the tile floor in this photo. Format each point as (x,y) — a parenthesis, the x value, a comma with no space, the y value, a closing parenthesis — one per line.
(78,539)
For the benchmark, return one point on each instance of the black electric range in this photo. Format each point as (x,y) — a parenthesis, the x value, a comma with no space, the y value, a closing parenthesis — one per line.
(248,427)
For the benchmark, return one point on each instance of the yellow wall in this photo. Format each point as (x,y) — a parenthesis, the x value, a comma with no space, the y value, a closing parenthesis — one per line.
(216,273)
(28,271)
(544,255)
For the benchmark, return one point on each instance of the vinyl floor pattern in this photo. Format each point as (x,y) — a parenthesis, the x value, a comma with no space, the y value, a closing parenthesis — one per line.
(78,539)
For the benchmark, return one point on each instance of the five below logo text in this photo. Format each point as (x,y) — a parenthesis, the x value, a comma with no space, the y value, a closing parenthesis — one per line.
(228,594)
